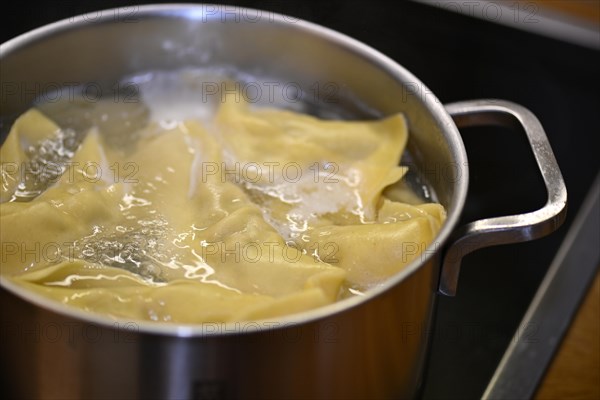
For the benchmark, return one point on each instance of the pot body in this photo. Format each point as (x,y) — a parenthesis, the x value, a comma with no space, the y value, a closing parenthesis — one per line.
(366,348)
(375,350)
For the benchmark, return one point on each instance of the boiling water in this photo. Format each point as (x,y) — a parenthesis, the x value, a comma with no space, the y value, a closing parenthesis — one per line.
(165,99)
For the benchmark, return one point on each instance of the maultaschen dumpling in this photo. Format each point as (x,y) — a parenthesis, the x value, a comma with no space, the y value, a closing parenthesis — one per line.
(257,214)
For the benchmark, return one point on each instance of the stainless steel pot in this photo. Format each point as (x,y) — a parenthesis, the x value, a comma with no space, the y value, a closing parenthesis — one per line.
(365,347)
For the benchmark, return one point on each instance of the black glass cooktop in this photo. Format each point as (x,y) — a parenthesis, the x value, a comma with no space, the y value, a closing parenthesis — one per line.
(461,58)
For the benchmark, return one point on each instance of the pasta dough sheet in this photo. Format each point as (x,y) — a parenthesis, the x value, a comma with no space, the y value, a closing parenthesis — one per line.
(256,214)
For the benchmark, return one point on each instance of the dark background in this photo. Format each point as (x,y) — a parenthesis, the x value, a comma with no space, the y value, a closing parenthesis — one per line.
(461,58)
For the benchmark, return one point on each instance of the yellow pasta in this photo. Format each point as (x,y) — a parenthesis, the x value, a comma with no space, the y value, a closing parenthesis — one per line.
(258,214)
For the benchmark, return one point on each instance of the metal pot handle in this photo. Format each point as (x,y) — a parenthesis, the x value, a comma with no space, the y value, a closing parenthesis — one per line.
(513,228)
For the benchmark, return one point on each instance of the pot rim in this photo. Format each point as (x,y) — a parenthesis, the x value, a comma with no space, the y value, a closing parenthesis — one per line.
(398,72)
